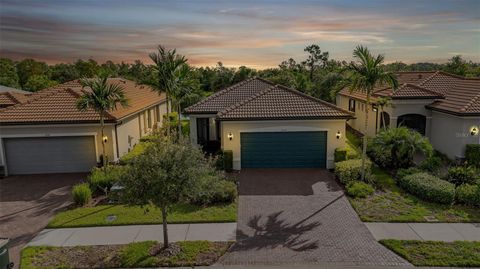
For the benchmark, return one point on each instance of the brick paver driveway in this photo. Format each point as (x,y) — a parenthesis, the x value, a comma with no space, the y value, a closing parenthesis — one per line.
(289,216)
(28,202)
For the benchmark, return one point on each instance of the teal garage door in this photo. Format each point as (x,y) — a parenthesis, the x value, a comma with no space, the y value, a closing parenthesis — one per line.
(283,149)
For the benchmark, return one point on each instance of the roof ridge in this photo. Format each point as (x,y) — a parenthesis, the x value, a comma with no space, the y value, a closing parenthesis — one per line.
(457,76)
(424,89)
(315,99)
(222,92)
(470,103)
(39,96)
(249,99)
(9,95)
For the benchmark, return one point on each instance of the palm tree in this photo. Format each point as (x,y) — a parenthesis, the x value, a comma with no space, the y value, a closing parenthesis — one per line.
(102,97)
(365,75)
(185,92)
(165,71)
(382,103)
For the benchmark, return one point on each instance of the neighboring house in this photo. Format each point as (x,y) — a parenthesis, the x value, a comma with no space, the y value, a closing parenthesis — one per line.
(441,106)
(10,89)
(268,125)
(45,133)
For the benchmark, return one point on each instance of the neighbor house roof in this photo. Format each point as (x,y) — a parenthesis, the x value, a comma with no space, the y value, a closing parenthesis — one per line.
(258,99)
(12,98)
(408,91)
(451,89)
(462,99)
(10,89)
(58,105)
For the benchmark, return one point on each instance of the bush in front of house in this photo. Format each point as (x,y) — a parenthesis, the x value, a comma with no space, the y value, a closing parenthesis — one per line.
(359,189)
(103,178)
(340,155)
(428,187)
(468,194)
(137,150)
(351,170)
(431,164)
(459,175)
(81,194)
(472,154)
(402,172)
(212,189)
(228,160)
(396,147)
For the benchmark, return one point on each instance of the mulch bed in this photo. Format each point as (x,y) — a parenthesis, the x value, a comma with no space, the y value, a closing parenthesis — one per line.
(111,256)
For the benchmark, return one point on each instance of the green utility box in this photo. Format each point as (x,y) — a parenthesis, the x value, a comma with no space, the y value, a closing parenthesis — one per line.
(4,259)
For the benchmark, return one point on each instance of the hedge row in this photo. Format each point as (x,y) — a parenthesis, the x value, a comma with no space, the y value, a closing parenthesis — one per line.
(428,187)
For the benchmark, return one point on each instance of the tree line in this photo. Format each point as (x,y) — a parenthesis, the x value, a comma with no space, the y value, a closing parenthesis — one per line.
(317,75)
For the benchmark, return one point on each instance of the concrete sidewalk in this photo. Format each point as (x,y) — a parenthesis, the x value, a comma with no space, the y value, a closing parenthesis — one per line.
(113,235)
(447,232)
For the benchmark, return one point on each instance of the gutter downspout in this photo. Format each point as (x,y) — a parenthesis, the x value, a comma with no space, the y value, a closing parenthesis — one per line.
(116,138)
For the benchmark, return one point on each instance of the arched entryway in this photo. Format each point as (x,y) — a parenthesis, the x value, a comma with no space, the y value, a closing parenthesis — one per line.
(416,122)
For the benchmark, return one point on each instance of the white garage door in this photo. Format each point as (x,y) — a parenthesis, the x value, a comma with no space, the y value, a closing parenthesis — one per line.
(43,155)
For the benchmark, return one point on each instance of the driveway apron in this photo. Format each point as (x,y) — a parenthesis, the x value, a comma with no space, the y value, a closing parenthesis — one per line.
(298,216)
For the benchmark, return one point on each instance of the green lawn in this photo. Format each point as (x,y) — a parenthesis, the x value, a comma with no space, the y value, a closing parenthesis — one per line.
(430,253)
(392,204)
(192,253)
(181,213)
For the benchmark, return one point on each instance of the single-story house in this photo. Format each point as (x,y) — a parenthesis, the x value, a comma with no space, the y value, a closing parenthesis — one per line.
(44,132)
(267,125)
(443,107)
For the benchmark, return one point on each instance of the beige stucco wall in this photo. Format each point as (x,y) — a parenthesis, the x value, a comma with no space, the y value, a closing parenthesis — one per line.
(360,112)
(396,109)
(237,127)
(61,130)
(132,126)
(450,134)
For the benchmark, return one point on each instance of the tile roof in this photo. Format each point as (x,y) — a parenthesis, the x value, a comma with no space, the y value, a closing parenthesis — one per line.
(279,102)
(12,98)
(58,105)
(462,99)
(229,96)
(452,89)
(259,99)
(409,91)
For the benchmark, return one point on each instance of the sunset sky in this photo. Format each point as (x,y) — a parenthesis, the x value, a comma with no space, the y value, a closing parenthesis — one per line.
(258,34)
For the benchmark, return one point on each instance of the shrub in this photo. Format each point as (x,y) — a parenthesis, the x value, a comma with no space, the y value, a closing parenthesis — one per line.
(228,160)
(212,190)
(468,194)
(137,150)
(432,164)
(81,194)
(340,155)
(459,175)
(396,147)
(428,187)
(359,189)
(351,170)
(104,178)
(402,172)
(472,154)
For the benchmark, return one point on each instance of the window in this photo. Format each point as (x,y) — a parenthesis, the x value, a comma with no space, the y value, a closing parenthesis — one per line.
(351,105)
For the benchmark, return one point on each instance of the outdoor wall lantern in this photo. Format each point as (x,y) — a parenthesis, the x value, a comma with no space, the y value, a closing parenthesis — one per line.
(374,108)
(338,135)
(230,136)
(474,131)
(105,139)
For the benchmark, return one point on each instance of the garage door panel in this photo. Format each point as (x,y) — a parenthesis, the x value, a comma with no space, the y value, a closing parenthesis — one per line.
(283,149)
(39,155)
